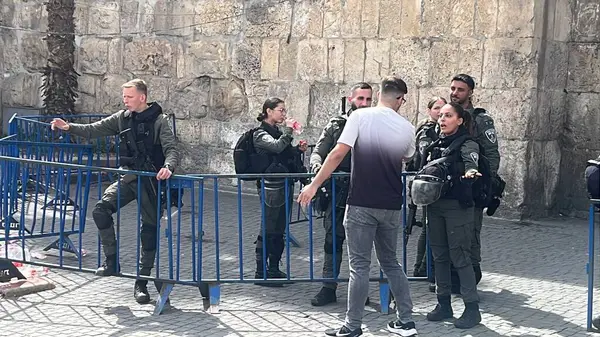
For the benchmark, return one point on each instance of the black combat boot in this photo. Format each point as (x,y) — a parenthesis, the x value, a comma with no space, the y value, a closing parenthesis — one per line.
(140,292)
(109,267)
(443,310)
(259,274)
(470,317)
(324,297)
(274,271)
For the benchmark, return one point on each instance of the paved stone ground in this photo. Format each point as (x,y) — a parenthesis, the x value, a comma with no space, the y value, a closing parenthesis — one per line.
(534,284)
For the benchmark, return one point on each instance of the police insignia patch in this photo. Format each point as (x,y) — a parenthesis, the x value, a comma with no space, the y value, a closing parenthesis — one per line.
(491,135)
(475,156)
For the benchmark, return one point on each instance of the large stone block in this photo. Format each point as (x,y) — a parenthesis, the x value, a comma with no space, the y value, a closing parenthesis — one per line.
(335,58)
(433,13)
(205,132)
(109,93)
(516,18)
(22,89)
(351,22)
(556,63)
(308,20)
(389,16)
(510,63)
(296,96)
(104,17)
(34,53)
(332,18)
(151,56)
(215,17)
(228,100)
(548,116)
(586,21)
(312,60)
(80,16)
(86,102)
(190,98)
(11,52)
(158,91)
(377,61)
(543,173)
(269,62)
(246,59)
(326,102)
(486,18)
(461,14)
(267,18)
(30,15)
(584,67)
(354,60)
(510,109)
(563,16)
(93,57)
(182,18)
(410,59)
(205,58)
(583,121)
(288,59)
(229,133)
(513,168)
(369,20)
(450,57)
(116,49)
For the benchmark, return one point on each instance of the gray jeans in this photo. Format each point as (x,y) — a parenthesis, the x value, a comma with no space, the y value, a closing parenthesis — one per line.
(363,227)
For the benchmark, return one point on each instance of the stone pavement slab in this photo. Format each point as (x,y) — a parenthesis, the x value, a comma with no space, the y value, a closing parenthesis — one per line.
(534,283)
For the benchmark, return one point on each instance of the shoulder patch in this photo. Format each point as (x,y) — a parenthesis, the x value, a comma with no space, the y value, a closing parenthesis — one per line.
(490,134)
(474,156)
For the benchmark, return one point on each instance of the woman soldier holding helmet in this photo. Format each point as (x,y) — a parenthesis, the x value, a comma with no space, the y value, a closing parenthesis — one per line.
(444,185)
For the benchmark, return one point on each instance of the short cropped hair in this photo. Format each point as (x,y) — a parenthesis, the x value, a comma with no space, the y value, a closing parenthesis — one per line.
(466,79)
(392,85)
(361,85)
(138,84)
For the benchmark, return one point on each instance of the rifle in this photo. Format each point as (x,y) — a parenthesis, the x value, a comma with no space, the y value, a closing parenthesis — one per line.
(412,221)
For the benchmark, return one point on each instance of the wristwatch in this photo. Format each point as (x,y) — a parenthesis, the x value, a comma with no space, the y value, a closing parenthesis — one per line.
(169,167)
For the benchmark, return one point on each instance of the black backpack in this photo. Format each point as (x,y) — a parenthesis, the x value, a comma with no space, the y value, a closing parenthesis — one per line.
(245,158)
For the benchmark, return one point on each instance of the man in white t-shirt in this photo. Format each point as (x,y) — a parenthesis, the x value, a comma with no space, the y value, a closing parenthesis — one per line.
(381,140)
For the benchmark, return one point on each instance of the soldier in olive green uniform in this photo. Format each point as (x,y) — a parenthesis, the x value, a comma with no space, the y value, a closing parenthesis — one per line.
(484,131)
(360,97)
(152,131)
(449,211)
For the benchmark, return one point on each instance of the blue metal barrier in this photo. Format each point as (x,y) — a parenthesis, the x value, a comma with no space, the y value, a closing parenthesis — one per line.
(186,209)
(590,265)
(23,184)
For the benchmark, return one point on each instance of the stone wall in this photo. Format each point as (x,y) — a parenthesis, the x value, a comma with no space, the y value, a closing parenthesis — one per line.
(214,62)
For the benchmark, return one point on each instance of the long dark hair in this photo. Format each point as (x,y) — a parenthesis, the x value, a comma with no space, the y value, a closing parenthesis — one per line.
(465,115)
(270,103)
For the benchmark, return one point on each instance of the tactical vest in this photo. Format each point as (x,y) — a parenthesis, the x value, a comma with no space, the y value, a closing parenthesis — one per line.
(287,161)
(338,127)
(457,189)
(142,126)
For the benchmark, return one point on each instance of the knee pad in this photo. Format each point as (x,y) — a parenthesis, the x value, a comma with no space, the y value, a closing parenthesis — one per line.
(102,215)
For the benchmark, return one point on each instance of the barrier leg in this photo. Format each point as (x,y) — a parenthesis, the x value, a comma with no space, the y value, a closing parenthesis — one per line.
(8,271)
(204,290)
(163,298)
(384,297)
(293,240)
(13,224)
(214,290)
(67,246)
(590,269)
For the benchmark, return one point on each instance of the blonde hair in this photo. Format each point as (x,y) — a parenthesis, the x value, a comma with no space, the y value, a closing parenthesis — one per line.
(138,84)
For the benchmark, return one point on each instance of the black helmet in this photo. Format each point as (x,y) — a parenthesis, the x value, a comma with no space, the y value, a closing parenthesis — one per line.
(430,184)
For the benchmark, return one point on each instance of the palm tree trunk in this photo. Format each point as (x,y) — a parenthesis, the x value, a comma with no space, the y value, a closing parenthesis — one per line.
(59,85)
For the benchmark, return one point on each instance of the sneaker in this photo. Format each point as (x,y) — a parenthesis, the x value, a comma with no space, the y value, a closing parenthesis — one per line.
(402,329)
(344,331)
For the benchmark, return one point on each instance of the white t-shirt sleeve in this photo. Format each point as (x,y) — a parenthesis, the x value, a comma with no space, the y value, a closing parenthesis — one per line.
(350,133)
(412,147)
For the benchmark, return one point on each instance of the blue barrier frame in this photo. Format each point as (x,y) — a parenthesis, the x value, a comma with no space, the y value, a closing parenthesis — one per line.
(590,264)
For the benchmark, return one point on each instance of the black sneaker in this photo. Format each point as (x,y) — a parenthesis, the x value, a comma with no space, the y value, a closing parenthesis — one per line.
(344,331)
(402,329)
